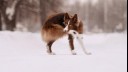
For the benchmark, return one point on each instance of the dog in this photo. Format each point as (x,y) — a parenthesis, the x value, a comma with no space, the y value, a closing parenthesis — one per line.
(59,25)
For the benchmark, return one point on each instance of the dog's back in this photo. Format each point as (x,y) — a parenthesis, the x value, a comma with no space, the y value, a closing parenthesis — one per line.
(53,28)
(55,19)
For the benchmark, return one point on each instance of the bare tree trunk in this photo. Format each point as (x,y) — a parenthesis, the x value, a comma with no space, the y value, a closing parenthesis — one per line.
(43,10)
(10,24)
(87,15)
(47,6)
(1,4)
(105,15)
(0,22)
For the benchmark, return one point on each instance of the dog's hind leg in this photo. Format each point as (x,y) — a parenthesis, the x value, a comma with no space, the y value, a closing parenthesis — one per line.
(71,43)
(49,49)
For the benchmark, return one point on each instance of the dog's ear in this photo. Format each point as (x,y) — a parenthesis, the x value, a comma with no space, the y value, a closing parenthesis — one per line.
(75,18)
(66,16)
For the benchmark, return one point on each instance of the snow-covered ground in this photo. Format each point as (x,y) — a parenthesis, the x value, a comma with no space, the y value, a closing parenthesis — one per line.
(25,52)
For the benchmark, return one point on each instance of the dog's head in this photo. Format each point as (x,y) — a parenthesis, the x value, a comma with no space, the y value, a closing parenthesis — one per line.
(71,22)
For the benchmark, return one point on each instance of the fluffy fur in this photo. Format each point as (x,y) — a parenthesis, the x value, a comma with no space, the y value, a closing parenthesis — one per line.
(54,26)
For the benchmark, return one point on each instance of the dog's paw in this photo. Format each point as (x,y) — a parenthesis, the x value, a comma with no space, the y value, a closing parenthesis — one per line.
(52,53)
(88,53)
(73,52)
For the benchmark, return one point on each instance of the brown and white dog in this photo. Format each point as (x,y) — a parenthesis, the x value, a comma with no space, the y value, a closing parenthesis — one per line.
(58,26)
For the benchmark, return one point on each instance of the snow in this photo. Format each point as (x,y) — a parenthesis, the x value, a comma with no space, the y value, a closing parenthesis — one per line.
(25,52)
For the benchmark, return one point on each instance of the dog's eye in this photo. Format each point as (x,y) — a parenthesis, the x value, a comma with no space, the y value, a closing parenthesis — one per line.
(74,32)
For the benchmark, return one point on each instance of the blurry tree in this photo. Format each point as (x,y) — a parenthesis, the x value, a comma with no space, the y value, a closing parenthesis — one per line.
(91,14)
(0,22)
(115,17)
(49,6)
(17,13)
(28,16)
(9,10)
(108,15)
(43,8)
(103,15)
(96,16)
(1,3)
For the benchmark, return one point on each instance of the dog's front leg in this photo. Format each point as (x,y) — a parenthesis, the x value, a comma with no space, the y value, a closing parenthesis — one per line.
(71,43)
